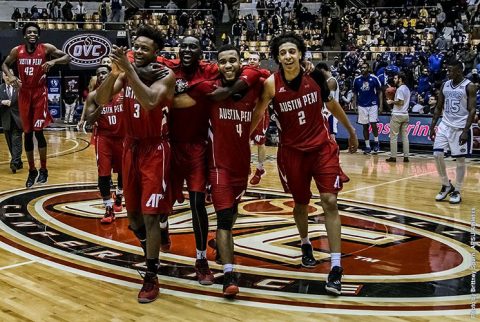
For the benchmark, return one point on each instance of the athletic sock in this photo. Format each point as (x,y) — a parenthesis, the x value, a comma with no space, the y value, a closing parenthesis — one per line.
(335,259)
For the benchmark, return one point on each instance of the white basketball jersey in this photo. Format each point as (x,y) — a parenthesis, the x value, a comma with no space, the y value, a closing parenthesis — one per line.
(455,112)
(335,94)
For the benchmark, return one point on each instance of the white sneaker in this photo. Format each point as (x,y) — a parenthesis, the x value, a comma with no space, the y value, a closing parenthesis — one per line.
(444,192)
(455,197)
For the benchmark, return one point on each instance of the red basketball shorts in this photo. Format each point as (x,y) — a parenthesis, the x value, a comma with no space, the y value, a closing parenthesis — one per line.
(109,151)
(297,168)
(189,162)
(146,176)
(226,190)
(33,108)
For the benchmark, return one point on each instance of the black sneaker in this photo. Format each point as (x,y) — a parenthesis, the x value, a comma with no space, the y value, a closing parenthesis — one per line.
(32,177)
(43,176)
(307,256)
(230,285)
(334,281)
(444,192)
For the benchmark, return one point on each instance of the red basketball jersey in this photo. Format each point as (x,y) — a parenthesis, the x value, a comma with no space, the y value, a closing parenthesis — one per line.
(140,123)
(190,124)
(299,114)
(229,128)
(29,66)
(110,121)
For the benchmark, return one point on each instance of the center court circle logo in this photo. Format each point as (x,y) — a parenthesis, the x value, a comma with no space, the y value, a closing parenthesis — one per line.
(87,50)
(396,262)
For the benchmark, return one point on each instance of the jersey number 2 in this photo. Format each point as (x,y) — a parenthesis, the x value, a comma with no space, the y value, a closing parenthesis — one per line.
(301,117)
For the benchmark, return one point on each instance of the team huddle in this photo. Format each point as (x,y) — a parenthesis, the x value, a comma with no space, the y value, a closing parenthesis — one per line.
(160,122)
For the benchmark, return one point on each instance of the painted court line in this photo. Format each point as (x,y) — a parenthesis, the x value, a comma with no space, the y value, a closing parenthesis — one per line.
(393,181)
(16,265)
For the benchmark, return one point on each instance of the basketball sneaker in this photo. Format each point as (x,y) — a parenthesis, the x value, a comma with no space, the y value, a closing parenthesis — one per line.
(204,274)
(42,176)
(230,285)
(32,177)
(165,240)
(367,150)
(307,256)
(455,197)
(406,159)
(118,203)
(445,191)
(334,281)
(150,289)
(391,159)
(109,216)
(257,177)
(376,146)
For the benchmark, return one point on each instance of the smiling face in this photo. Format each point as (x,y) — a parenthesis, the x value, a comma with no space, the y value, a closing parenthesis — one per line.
(229,64)
(190,51)
(144,50)
(31,35)
(289,56)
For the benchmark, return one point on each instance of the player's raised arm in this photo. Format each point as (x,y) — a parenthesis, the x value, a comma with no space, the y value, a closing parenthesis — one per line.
(111,85)
(267,95)
(151,96)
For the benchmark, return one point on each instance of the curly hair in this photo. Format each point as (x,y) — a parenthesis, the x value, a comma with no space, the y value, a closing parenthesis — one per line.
(30,24)
(276,42)
(151,33)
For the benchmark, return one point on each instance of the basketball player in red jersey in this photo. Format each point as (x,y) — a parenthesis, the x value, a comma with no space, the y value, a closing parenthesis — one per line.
(229,151)
(306,149)
(188,135)
(259,134)
(146,154)
(108,138)
(32,65)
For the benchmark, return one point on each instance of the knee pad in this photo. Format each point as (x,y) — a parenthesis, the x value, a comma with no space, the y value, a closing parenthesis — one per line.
(42,143)
(29,141)
(225,219)
(104,185)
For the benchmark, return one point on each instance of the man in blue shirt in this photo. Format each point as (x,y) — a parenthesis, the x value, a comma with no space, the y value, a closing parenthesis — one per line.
(368,98)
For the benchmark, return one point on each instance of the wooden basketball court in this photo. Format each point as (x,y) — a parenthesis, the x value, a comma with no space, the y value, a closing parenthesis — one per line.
(406,257)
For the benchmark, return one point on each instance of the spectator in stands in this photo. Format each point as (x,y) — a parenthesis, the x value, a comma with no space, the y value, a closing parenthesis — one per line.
(441,16)
(26,14)
(262,29)
(80,13)
(116,6)
(44,14)
(16,15)
(237,30)
(171,7)
(67,12)
(104,11)
(419,107)
(251,29)
(261,6)
(35,14)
